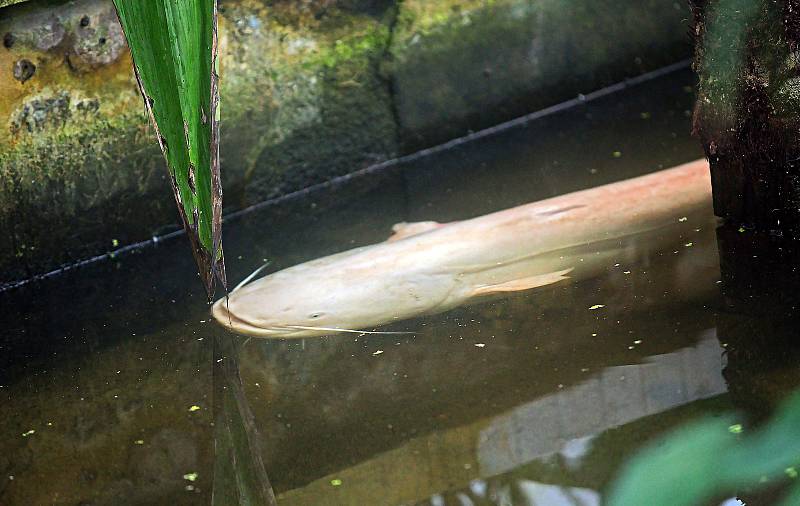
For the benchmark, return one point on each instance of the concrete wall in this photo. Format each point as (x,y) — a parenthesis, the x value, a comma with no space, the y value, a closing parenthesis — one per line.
(310,90)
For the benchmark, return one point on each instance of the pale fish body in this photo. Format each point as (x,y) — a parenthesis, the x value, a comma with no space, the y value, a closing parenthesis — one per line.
(430,267)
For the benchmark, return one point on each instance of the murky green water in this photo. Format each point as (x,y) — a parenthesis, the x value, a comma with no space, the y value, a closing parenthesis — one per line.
(113,378)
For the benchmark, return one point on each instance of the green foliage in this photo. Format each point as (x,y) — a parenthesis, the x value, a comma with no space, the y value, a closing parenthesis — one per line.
(173,44)
(712,457)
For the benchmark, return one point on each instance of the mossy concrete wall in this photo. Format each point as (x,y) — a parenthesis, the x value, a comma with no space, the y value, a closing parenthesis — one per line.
(310,90)
(461,65)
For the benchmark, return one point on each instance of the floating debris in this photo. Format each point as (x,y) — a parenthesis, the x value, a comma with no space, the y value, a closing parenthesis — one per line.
(741,230)
(791,472)
(688,244)
(336,482)
(480,345)
(682,219)
(617,154)
(139,442)
(29,433)
(597,306)
(194,408)
(377,352)
(190,476)
(638,341)
(735,428)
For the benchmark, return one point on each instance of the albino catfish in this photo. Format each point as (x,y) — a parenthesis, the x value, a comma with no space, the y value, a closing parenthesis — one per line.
(430,267)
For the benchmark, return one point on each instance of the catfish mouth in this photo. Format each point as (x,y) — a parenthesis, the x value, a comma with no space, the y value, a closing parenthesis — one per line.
(228,319)
(235,323)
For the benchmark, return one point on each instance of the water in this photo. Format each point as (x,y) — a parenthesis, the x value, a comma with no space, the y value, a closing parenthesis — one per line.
(113,378)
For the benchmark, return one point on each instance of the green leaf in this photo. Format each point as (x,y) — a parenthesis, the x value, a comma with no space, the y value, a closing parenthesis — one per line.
(706,459)
(173,44)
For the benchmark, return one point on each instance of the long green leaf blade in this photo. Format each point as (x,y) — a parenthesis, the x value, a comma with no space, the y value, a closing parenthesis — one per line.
(173,44)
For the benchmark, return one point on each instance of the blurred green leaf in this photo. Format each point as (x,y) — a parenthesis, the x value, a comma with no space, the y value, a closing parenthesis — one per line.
(706,459)
(173,44)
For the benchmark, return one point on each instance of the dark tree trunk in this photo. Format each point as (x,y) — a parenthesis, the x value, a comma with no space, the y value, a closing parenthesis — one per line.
(747,109)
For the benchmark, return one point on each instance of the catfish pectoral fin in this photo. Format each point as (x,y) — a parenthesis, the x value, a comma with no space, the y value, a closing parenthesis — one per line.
(403,229)
(521,284)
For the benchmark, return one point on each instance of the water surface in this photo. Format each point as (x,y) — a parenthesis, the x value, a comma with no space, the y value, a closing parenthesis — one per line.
(112,380)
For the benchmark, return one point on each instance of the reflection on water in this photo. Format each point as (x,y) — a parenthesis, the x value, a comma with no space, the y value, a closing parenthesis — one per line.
(566,422)
(560,433)
(116,388)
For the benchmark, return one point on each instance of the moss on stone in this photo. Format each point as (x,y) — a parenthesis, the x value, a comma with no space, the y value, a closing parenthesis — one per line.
(450,79)
(310,90)
(79,163)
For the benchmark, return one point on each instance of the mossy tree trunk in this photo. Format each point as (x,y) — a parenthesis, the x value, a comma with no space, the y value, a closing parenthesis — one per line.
(746,114)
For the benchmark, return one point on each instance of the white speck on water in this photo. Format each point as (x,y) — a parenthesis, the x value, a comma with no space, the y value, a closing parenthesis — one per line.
(480,345)
(597,306)
(377,352)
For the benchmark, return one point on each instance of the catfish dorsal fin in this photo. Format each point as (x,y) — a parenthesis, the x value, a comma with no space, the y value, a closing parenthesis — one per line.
(402,230)
(517,285)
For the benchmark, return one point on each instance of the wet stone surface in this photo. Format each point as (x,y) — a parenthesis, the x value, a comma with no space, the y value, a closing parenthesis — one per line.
(23,70)
(310,91)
